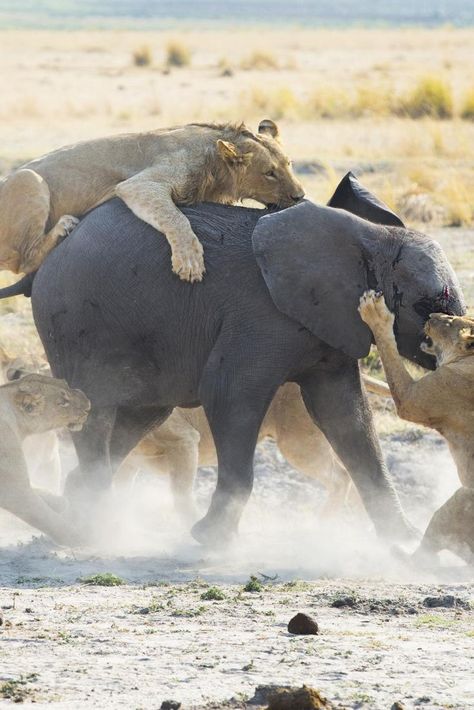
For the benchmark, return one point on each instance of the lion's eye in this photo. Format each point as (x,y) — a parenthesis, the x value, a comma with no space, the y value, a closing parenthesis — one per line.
(63,401)
(270,174)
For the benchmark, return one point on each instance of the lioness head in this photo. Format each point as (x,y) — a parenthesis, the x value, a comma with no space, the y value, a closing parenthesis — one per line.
(262,170)
(448,338)
(42,403)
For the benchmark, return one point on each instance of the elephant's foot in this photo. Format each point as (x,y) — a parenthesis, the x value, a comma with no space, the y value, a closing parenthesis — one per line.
(214,530)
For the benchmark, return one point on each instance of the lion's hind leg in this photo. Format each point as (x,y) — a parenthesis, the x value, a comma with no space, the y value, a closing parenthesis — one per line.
(24,213)
(452,527)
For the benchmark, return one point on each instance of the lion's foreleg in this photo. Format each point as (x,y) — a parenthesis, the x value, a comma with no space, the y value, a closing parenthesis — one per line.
(37,252)
(452,527)
(405,390)
(18,497)
(152,202)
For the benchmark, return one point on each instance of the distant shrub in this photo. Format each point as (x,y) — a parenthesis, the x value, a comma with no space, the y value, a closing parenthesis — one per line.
(459,204)
(224,67)
(177,55)
(328,102)
(253,585)
(278,103)
(372,100)
(259,60)
(213,594)
(142,56)
(431,97)
(467,108)
(106,579)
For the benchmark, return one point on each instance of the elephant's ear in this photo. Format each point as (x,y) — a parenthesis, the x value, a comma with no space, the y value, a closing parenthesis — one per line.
(313,266)
(350,195)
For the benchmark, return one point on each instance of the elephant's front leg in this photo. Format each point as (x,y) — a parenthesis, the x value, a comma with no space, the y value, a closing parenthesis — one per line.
(151,200)
(85,484)
(335,399)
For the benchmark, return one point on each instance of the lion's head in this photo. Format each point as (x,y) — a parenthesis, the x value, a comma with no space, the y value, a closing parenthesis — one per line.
(448,338)
(259,168)
(42,403)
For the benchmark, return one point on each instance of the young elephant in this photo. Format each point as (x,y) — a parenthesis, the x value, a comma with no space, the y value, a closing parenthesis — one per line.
(31,405)
(184,442)
(442,400)
(151,172)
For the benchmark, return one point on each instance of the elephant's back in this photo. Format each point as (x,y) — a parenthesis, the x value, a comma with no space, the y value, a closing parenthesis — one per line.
(106,297)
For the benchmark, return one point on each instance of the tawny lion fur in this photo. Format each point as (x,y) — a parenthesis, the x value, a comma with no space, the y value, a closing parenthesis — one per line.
(31,405)
(442,400)
(185,442)
(152,173)
(41,451)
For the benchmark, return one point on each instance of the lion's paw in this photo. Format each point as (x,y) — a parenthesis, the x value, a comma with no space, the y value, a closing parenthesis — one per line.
(373,309)
(188,263)
(65,225)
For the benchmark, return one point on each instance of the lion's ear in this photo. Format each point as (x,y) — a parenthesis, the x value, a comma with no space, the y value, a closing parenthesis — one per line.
(227,151)
(269,128)
(231,154)
(467,337)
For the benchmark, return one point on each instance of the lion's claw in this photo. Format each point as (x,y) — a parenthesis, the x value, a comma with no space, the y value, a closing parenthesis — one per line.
(373,309)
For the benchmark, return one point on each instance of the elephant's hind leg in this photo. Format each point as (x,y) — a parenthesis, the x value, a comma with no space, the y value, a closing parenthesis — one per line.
(24,213)
(235,399)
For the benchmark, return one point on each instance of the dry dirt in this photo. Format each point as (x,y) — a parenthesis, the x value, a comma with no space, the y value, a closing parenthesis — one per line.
(154,638)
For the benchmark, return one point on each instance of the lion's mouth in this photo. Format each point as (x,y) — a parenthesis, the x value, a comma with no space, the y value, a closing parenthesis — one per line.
(427,345)
(77,425)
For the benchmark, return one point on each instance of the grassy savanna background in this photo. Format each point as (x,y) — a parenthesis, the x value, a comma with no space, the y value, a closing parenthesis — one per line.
(398,104)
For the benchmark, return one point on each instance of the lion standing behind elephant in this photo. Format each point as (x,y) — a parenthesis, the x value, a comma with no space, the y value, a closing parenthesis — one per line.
(185,442)
(152,173)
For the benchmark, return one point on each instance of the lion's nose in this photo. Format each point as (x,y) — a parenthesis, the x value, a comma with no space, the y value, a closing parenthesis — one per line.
(298,197)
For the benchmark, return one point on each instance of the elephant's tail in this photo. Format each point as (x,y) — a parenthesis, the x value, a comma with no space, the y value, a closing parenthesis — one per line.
(373,385)
(22,287)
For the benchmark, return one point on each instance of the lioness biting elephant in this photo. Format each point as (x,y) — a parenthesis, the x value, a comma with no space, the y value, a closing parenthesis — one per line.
(442,400)
(31,405)
(151,172)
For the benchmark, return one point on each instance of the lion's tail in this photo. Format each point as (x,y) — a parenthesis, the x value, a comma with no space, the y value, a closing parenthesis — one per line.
(371,385)
(22,287)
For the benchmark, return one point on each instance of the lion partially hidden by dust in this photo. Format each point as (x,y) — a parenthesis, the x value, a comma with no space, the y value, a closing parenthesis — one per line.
(152,173)
(31,405)
(442,400)
(184,442)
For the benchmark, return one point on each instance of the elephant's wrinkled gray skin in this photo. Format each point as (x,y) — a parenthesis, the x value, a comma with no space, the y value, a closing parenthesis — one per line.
(117,324)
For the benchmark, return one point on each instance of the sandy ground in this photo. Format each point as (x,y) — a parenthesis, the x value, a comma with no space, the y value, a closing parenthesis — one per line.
(154,638)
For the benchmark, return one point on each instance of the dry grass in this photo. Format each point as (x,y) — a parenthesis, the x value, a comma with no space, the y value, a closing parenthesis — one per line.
(339,108)
(259,60)
(432,96)
(177,54)
(467,107)
(142,56)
